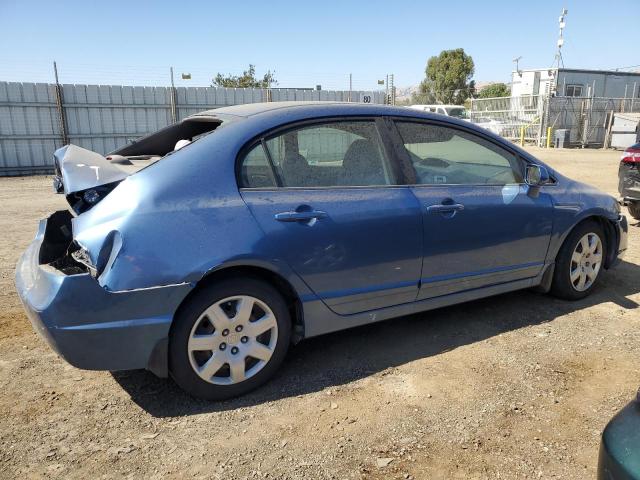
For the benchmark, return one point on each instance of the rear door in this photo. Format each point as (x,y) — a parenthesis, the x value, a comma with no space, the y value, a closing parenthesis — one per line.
(481,225)
(326,195)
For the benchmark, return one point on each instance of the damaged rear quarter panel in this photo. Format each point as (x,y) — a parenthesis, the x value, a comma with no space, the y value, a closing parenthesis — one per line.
(177,219)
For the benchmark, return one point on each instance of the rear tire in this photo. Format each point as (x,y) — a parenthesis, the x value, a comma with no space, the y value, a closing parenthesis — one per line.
(229,338)
(634,209)
(579,262)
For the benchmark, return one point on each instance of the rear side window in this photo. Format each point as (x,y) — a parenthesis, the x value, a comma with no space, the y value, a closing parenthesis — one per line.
(331,154)
(255,170)
(442,155)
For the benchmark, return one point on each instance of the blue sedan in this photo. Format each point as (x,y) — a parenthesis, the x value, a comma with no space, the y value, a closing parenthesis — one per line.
(204,250)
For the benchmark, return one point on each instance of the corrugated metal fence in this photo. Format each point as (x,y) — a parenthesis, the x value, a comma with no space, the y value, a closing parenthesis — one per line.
(105,117)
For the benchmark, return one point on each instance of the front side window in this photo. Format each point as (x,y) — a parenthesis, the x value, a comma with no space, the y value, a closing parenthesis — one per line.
(443,155)
(330,154)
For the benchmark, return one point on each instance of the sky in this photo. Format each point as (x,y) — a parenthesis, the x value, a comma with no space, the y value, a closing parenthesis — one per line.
(306,43)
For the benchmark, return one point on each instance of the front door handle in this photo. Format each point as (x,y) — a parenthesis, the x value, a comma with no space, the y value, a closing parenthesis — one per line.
(445,208)
(303,216)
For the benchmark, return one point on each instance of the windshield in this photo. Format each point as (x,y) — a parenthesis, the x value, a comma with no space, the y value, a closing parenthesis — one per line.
(458,112)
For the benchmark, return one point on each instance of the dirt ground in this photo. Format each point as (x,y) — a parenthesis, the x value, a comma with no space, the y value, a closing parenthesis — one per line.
(515,386)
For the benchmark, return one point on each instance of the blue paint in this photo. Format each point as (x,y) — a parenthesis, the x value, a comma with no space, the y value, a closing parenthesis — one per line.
(481,272)
(166,320)
(373,289)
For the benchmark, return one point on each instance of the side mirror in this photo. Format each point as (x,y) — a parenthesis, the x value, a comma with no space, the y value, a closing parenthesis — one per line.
(536,175)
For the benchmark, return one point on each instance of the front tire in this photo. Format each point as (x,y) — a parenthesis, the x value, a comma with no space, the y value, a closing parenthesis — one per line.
(634,209)
(229,338)
(579,262)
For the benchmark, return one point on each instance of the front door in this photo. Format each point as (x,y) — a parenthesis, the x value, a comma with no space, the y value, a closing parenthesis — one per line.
(326,197)
(481,225)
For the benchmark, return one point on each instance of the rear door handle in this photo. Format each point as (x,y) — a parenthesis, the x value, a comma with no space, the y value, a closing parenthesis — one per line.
(440,208)
(304,216)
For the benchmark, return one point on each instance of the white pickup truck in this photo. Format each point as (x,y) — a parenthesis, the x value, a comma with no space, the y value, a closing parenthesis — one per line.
(457,111)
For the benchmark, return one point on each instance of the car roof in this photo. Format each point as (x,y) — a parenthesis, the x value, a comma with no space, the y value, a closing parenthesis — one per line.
(311,107)
(437,105)
(269,112)
(250,109)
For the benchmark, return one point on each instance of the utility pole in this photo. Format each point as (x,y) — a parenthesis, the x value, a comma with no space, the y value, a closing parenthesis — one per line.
(60,107)
(55,72)
(172,98)
(350,85)
(386,89)
(392,88)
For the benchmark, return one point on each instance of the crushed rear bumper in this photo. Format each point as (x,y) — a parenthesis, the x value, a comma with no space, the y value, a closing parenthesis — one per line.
(90,327)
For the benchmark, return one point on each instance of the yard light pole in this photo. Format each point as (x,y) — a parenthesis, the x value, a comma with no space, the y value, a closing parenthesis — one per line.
(516,61)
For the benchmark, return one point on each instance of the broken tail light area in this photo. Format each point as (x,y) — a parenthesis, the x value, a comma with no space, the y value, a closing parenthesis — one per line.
(84,200)
(105,258)
(58,248)
(81,255)
(60,251)
(631,155)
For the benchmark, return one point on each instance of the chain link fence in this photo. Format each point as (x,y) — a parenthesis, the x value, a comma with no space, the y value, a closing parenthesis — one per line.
(588,120)
(531,119)
(514,118)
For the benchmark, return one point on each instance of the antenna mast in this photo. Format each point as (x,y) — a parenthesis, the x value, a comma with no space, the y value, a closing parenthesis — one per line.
(558,61)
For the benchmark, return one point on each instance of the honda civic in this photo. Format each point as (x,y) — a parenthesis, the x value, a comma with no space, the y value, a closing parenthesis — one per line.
(204,250)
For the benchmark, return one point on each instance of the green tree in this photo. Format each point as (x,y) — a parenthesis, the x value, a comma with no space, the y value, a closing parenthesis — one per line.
(423,98)
(246,80)
(448,77)
(495,90)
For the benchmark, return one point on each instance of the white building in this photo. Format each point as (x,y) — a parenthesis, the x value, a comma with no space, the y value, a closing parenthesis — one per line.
(572,82)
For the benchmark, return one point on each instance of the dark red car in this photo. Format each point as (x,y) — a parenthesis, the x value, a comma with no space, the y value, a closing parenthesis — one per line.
(629,179)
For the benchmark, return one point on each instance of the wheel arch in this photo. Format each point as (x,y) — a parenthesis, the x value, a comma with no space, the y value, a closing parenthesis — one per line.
(158,362)
(273,278)
(610,234)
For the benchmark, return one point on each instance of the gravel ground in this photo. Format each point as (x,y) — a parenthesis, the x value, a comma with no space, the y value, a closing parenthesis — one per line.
(515,386)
